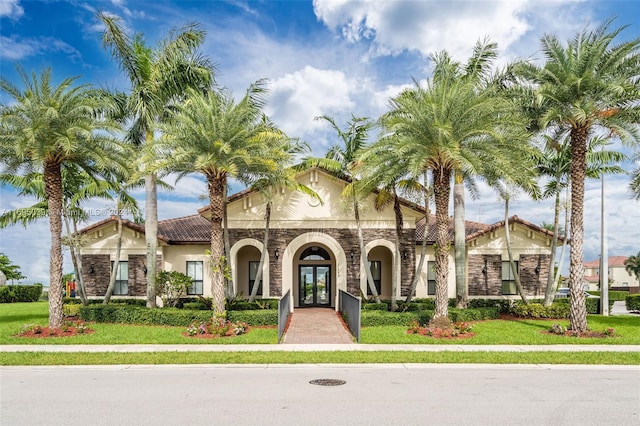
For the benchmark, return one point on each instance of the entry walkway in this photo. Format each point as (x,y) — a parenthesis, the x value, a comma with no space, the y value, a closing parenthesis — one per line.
(317,325)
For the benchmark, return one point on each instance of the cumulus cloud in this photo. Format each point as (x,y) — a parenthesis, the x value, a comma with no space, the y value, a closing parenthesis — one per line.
(11,9)
(297,98)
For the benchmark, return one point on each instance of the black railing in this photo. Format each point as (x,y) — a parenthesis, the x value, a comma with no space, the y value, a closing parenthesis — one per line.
(349,306)
(284,309)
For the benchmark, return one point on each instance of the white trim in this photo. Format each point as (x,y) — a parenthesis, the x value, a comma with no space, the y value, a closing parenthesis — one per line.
(392,248)
(233,263)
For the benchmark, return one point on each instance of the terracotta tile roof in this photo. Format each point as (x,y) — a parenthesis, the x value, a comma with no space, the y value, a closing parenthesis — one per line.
(612,260)
(186,230)
(471,228)
(592,278)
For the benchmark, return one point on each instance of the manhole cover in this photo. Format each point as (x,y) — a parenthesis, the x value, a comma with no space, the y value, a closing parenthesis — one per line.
(327,382)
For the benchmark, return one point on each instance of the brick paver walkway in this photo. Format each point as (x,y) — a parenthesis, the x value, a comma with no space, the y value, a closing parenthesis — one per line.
(316,325)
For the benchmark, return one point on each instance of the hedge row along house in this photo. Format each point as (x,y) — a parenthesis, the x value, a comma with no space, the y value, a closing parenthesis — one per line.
(313,250)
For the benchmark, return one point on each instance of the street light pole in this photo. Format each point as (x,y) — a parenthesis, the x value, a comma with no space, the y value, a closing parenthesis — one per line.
(604,262)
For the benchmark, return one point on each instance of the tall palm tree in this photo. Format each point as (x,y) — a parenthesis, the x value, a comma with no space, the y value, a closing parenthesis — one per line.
(44,129)
(213,135)
(590,85)
(448,126)
(269,185)
(634,185)
(343,158)
(159,78)
(632,265)
(554,164)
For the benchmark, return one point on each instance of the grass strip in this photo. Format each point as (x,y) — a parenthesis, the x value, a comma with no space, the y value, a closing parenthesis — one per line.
(382,357)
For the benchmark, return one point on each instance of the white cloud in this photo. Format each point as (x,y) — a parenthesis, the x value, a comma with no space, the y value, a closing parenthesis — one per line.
(14,49)
(11,9)
(297,98)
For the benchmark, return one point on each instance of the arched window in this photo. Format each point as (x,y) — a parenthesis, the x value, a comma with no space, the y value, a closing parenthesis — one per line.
(315,253)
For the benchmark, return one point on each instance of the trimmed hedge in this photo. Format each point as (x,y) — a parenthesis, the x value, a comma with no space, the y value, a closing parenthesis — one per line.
(372,318)
(243,305)
(615,295)
(71,310)
(120,313)
(20,293)
(130,302)
(538,310)
(632,302)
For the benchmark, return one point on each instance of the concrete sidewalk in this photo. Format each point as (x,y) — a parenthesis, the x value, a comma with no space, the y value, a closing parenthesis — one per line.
(319,348)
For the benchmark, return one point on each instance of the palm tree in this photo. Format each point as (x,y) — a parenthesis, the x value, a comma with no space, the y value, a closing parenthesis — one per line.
(159,78)
(213,135)
(634,185)
(281,178)
(44,129)
(554,164)
(451,126)
(344,159)
(589,85)
(632,265)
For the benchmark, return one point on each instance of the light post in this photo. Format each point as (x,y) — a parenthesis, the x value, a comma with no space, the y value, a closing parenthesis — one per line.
(604,258)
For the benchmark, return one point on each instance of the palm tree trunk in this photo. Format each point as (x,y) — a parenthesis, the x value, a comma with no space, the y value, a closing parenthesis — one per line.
(114,269)
(567,239)
(423,248)
(578,309)
(363,255)
(263,255)
(442,192)
(512,264)
(398,257)
(73,250)
(151,235)
(551,283)
(459,246)
(53,192)
(216,186)
(228,288)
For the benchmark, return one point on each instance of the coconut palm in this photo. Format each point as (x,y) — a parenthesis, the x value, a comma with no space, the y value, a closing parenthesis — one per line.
(213,135)
(159,78)
(590,85)
(343,158)
(44,129)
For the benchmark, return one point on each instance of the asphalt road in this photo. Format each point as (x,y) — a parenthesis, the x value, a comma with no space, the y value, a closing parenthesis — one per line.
(282,395)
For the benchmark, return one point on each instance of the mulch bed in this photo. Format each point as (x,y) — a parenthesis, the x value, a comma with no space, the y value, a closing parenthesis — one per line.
(46,332)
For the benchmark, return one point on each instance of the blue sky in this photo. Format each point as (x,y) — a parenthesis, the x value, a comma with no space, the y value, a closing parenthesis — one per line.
(333,58)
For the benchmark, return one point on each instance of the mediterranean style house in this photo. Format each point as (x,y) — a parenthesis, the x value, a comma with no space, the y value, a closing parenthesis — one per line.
(313,249)
(619,278)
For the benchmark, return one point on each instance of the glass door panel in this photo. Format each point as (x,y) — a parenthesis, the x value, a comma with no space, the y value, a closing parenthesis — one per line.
(306,285)
(323,285)
(314,285)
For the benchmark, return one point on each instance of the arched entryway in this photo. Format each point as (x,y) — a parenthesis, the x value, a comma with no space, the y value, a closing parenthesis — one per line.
(314,269)
(315,277)
(245,259)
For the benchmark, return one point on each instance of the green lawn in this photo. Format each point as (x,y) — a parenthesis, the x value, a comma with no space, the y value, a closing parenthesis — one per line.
(15,315)
(523,332)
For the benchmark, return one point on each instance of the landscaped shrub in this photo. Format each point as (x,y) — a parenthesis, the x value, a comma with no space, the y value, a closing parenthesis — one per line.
(537,310)
(475,314)
(614,295)
(375,307)
(127,301)
(20,293)
(243,305)
(504,306)
(632,302)
(196,306)
(255,317)
(71,310)
(379,318)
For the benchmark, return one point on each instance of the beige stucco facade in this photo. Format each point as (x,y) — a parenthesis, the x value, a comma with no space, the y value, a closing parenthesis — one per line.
(301,226)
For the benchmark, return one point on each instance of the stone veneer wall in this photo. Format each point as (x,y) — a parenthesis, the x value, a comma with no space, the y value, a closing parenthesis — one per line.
(347,238)
(490,283)
(96,284)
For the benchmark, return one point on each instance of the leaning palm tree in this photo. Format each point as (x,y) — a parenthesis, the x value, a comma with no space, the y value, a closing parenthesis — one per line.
(343,158)
(46,128)
(448,126)
(590,85)
(159,78)
(213,135)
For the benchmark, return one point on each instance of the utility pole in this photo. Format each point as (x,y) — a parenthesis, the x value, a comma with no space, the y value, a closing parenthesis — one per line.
(604,258)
